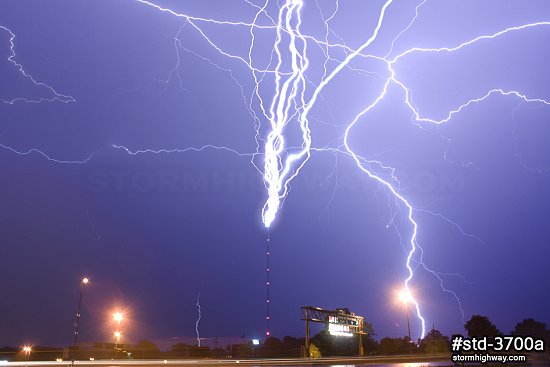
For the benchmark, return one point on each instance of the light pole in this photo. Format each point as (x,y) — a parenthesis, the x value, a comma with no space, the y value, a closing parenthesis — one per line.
(405,297)
(83,282)
(117,336)
(118,317)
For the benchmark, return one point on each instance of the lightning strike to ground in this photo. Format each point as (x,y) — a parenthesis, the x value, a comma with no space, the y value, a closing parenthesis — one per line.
(294,96)
(198,304)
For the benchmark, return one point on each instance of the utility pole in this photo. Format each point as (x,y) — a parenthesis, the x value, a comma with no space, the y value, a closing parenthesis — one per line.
(77,320)
(408,326)
(83,282)
(361,331)
(307,332)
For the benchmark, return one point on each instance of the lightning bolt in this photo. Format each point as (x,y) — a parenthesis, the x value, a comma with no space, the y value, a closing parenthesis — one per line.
(414,247)
(184,150)
(56,96)
(198,304)
(277,174)
(47,156)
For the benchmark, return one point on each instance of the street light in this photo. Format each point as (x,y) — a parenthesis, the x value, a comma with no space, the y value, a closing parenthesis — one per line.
(118,317)
(405,296)
(83,282)
(27,349)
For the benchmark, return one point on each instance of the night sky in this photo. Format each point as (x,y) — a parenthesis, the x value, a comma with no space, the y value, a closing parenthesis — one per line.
(152,230)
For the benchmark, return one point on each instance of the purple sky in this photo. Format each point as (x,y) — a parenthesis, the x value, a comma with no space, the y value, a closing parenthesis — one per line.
(153,230)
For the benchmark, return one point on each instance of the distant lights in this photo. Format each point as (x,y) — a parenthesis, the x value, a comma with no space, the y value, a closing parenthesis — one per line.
(255,342)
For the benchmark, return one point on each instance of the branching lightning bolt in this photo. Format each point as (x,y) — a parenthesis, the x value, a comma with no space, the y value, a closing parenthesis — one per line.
(56,96)
(293,97)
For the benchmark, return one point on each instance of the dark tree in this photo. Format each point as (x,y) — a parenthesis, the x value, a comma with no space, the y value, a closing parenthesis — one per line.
(434,342)
(531,327)
(389,346)
(204,352)
(293,346)
(145,349)
(291,341)
(271,347)
(181,350)
(479,326)
(370,345)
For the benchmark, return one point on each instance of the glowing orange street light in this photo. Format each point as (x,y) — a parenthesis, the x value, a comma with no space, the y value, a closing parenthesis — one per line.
(118,317)
(27,349)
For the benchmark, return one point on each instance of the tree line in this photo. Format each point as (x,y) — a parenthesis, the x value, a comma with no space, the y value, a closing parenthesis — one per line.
(322,344)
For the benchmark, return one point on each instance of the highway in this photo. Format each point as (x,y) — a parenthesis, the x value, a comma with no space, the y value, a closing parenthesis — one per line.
(398,360)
